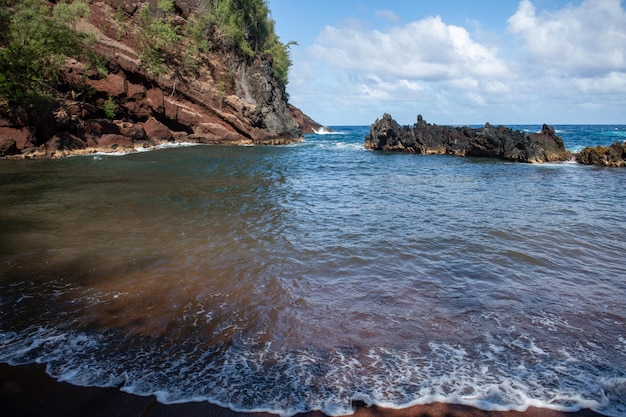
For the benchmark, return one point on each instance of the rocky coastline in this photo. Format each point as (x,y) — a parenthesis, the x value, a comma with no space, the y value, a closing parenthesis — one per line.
(121,105)
(489,141)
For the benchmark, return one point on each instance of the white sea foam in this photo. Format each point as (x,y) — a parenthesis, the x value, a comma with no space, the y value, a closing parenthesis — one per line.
(577,149)
(341,146)
(324,131)
(169,145)
(290,382)
(99,156)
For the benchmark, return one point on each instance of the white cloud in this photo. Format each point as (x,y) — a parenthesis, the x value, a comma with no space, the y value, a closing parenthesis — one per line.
(563,66)
(425,66)
(388,16)
(588,40)
(611,84)
(423,50)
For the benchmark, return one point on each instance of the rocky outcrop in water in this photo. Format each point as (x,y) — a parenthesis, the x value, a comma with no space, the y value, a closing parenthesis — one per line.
(489,141)
(223,97)
(605,156)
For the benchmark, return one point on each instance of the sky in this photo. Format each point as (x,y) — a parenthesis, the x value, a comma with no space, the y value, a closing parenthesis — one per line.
(456,61)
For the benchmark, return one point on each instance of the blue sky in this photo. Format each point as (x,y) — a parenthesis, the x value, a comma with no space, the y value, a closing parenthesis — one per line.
(457,62)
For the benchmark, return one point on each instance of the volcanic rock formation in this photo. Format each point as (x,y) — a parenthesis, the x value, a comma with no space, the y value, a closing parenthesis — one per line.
(489,141)
(605,156)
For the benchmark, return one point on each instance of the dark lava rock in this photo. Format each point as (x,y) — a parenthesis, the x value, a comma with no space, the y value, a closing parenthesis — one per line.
(605,156)
(489,141)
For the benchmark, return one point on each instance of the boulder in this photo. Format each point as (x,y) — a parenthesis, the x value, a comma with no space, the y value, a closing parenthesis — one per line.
(13,140)
(213,133)
(113,85)
(157,131)
(605,156)
(114,141)
(63,141)
(7,145)
(135,131)
(99,127)
(489,141)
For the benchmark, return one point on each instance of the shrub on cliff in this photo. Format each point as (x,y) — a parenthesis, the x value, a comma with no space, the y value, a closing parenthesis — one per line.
(245,25)
(35,38)
(157,35)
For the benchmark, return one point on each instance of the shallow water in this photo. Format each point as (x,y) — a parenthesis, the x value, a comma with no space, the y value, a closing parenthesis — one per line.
(303,277)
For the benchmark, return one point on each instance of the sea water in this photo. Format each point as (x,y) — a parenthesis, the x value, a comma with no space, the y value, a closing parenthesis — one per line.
(310,276)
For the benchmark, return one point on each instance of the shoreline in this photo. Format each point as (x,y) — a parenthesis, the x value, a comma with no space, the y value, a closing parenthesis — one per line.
(601,156)
(129,150)
(27,391)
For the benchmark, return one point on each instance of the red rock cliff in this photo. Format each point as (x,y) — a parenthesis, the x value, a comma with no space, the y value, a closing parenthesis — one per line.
(217,96)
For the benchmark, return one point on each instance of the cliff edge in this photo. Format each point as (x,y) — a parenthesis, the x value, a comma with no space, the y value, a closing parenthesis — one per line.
(157,71)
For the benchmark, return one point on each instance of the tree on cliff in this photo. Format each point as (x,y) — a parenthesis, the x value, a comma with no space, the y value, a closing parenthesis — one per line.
(34,40)
(36,36)
(158,36)
(245,24)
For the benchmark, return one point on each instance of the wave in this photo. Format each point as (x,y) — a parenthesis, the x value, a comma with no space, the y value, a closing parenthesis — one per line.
(99,155)
(504,375)
(326,131)
(343,146)
(169,145)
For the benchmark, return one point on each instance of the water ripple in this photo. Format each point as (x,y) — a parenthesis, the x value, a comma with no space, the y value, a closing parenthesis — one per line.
(304,277)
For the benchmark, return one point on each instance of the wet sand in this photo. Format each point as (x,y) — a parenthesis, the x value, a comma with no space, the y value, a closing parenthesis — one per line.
(27,391)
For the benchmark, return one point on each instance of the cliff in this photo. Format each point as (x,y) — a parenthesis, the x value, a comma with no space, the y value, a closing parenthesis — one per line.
(127,89)
(489,141)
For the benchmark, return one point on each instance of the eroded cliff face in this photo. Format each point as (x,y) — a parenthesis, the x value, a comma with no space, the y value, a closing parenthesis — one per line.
(219,97)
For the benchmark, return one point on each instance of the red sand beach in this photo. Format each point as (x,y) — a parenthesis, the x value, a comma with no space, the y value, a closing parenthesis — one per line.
(27,391)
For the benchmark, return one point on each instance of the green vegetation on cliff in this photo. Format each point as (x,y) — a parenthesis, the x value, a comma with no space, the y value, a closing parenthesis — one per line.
(243,25)
(37,36)
(157,35)
(34,41)
(249,25)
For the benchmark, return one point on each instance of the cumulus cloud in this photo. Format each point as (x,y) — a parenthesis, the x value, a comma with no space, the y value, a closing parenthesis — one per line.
(588,40)
(424,64)
(610,84)
(423,50)
(553,65)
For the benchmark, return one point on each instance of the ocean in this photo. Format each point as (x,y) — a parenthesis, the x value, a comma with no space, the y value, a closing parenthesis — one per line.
(318,275)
